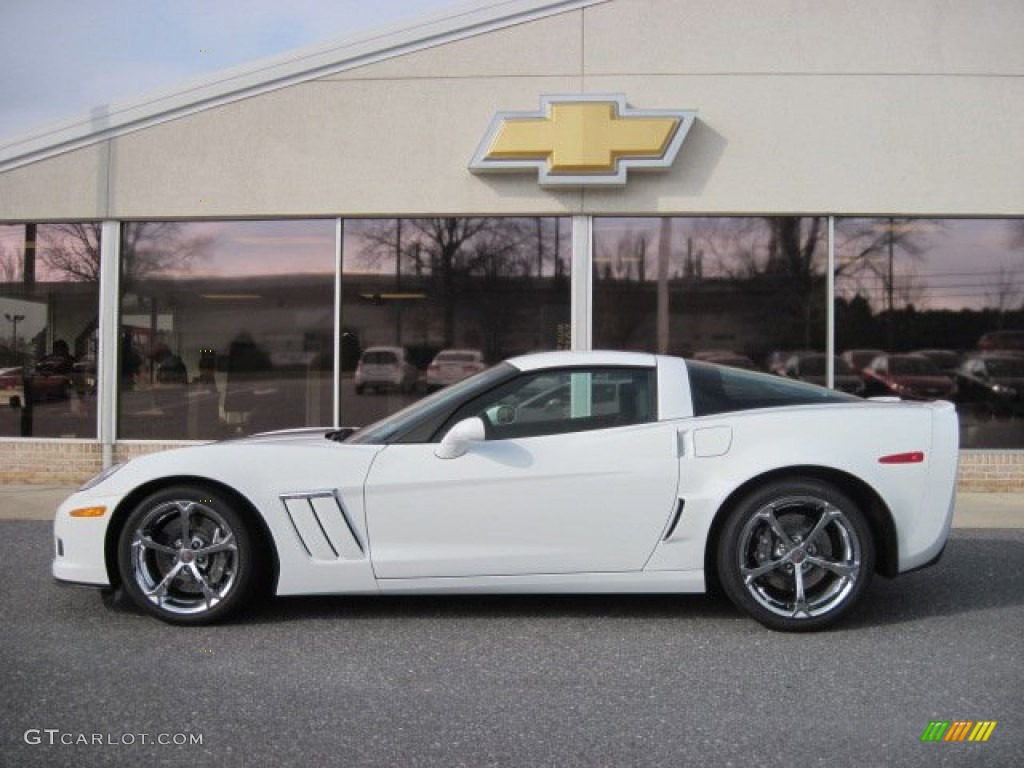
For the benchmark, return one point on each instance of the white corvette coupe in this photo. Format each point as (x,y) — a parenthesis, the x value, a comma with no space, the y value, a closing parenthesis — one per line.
(593,472)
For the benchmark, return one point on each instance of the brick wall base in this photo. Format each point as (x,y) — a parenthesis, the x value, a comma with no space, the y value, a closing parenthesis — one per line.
(991,471)
(62,462)
(70,462)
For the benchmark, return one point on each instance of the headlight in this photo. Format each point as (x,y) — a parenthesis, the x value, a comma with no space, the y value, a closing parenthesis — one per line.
(97,479)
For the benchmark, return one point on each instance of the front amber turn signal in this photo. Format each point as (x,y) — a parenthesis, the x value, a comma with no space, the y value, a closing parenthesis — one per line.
(88,512)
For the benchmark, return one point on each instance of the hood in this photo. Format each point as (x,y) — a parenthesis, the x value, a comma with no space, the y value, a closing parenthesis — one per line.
(307,436)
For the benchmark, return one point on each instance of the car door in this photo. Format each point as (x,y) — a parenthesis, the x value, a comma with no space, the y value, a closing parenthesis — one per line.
(575,475)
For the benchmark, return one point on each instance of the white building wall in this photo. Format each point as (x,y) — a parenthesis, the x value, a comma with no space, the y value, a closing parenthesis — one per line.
(875,107)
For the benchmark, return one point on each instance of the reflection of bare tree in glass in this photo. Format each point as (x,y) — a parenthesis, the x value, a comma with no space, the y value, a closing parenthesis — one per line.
(448,256)
(780,257)
(870,247)
(620,273)
(1005,292)
(148,249)
(10,266)
(1008,290)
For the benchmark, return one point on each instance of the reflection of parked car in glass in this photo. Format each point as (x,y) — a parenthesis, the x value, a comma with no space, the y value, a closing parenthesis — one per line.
(49,380)
(1003,341)
(452,365)
(947,360)
(859,359)
(385,368)
(811,368)
(726,357)
(910,377)
(776,362)
(992,385)
(83,375)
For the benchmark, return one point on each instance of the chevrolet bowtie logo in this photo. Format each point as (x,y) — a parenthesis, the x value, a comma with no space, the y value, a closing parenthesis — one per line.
(583,140)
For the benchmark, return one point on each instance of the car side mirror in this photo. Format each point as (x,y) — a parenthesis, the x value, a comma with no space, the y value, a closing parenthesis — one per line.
(459,438)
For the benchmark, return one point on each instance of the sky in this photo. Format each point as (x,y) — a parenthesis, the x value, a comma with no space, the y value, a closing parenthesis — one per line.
(61,58)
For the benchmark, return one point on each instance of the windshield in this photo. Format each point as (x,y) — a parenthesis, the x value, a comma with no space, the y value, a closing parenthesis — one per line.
(431,409)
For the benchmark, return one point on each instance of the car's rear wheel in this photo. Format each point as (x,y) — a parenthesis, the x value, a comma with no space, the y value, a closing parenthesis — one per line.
(796,555)
(187,556)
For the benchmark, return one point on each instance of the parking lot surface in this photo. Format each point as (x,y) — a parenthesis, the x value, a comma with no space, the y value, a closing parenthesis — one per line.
(515,681)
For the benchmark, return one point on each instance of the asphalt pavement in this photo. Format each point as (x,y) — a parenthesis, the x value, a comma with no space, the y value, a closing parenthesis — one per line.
(515,682)
(510,681)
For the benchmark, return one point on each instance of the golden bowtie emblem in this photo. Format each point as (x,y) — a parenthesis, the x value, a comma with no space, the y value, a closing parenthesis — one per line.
(579,140)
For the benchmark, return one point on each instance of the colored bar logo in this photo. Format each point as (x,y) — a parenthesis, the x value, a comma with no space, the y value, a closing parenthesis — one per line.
(958,730)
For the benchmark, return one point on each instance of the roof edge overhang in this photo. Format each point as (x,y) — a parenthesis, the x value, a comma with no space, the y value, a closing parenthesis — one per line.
(309,63)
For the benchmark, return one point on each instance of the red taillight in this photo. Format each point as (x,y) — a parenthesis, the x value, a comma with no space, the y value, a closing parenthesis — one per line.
(911,457)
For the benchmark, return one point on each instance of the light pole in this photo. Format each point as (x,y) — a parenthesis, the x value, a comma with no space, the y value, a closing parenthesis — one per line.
(14,320)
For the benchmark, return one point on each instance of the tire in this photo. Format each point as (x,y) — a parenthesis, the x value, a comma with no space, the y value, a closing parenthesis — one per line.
(793,536)
(215,575)
(360,389)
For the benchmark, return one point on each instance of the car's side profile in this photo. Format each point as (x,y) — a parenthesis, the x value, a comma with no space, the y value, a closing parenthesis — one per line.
(559,472)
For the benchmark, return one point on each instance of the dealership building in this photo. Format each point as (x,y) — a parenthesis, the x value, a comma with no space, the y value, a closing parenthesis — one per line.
(775,184)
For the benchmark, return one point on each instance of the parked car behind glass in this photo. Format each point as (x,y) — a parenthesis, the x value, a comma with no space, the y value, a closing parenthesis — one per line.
(47,381)
(859,359)
(909,377)
(811,368)
(1002,341)
(947,360)
(992,385)
(452,365)
(385,368)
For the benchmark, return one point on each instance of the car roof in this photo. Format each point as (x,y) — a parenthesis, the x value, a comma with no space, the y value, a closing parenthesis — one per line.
(567,359)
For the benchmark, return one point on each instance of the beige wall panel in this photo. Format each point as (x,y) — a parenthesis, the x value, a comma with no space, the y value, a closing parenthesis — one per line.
(905,145)
(69,186)
(810,36)
(547,47)
(332,147)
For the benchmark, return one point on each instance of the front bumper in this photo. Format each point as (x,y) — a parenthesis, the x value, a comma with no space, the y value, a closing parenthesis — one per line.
(79,542)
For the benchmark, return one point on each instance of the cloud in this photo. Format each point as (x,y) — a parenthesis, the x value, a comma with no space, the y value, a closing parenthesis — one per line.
(60,58)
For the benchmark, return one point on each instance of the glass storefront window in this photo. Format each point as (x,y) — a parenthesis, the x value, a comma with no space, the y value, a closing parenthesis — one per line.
(934,308)
(226,328)
(49,310)
(749,292)
(477,290)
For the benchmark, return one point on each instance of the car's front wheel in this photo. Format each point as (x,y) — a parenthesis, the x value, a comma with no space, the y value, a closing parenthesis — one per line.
(796,555)
(186,556)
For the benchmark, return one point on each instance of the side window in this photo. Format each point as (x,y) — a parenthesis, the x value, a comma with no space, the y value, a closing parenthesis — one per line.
(717,389)
(558,402)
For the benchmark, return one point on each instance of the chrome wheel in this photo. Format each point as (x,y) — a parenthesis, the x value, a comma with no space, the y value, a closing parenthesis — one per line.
(185,556)
(799,556)
(796,555)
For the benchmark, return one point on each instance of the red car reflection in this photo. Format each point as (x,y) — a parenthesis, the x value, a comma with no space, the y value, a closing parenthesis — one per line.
(48,380)
(909,377)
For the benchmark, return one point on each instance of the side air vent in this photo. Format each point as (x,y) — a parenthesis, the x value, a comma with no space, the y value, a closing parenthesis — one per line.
(674,522)
(323,526)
